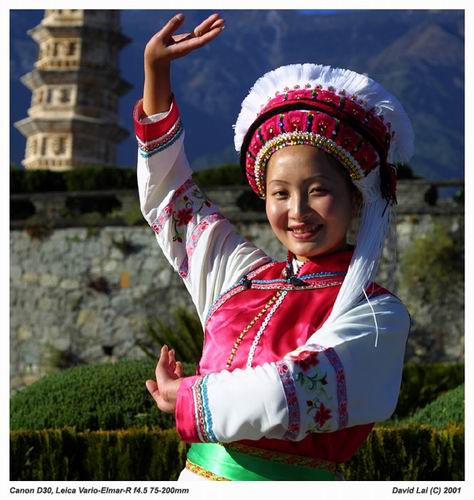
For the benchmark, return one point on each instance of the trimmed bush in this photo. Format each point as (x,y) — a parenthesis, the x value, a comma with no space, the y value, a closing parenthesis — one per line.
(445,410)
(93,178)
(432,266)
(63,454)
(107,396)
(422,384)
(224,175)
(403,454)
(113,396)
(409,453)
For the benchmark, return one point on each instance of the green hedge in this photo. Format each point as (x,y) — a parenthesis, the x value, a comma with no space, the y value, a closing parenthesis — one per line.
(106,396)
(64,454)
(446,409)
(93,178)
(402,454)
(96,178)
(224,175)
(409,453)
(99,178)
(423,383)
(112,396)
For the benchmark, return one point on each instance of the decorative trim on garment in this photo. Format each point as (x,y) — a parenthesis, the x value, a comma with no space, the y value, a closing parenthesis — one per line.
(203,417)
(205,222)
(238,285)
(148,149)
(336,363)
(183,211)
(324,280)
(197,469)
(281,457)
(313,380)
(264,325)
(150,130)
(291,400)
(193,239)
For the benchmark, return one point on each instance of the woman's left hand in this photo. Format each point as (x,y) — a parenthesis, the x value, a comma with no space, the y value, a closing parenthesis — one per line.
(169,374)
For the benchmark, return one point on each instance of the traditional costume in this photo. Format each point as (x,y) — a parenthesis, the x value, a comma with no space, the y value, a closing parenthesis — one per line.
(299,358)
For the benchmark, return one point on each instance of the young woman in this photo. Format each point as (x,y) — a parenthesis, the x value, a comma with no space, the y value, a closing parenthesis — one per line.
(301,357)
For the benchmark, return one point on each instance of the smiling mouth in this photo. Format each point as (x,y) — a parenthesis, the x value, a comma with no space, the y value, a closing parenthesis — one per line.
(305,232)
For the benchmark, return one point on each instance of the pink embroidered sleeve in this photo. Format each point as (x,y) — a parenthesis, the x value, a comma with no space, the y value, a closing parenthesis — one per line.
(197,240)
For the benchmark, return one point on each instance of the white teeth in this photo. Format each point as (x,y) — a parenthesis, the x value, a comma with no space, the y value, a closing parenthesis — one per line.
(304,230)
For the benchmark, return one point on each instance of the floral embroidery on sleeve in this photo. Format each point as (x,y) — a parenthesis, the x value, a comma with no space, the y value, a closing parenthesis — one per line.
(186,216)
(313,401)
(313,379)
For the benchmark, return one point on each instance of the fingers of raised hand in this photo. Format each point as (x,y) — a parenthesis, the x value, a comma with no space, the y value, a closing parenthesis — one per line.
(201,35)
(152,388)
(171,26)
(179,371)
(172,360)
(162,365)
(213,21)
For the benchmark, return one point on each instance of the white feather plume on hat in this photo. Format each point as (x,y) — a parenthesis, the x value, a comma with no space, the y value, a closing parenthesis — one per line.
(368,92)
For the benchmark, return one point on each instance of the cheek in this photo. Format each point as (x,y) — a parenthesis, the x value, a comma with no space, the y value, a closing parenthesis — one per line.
(275,214)
(334,208)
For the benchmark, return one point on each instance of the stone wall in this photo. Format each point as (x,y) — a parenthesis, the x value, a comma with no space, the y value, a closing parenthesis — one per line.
(84,294)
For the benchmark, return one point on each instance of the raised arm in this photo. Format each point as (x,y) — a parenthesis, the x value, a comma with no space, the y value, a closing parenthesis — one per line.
(201,245)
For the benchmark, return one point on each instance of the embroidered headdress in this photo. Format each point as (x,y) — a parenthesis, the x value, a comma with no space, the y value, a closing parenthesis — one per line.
(349,116)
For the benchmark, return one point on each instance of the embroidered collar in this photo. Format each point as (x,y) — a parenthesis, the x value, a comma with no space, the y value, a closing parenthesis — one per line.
(333,262)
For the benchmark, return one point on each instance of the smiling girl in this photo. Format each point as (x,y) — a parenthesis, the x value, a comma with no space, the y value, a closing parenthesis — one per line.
(301,357)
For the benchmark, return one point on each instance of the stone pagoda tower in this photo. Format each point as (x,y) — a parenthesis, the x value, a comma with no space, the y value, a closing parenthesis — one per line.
(73,118)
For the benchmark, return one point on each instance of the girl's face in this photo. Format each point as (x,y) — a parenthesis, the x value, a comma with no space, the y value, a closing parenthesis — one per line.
(310,201)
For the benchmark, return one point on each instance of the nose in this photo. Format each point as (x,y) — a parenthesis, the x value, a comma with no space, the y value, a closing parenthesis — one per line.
(299,207)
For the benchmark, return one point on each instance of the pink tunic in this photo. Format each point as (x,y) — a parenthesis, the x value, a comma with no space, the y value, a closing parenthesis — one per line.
(292,383)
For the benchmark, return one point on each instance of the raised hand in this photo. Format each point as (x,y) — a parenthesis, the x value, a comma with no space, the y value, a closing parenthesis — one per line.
(165,46)
(169,373)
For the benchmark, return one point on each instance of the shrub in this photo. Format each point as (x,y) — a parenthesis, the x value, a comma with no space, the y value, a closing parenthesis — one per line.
(433,265)
(63,454)
(90,178)
(183,334)
(423,383)
(112,396)
(224,175)
(445,410)
(409,453)
(105,396)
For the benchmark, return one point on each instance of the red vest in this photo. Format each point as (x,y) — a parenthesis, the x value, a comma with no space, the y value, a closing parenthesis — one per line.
(305,307)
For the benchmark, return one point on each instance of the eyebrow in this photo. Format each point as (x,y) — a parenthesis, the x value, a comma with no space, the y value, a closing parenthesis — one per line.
(314,177)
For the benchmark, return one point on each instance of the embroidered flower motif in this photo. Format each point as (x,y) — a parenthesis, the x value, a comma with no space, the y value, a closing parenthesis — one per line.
(183,216)
(309,376)
(305,359)
(322,415)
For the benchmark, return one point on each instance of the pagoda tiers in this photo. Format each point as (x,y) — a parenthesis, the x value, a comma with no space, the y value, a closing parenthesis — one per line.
(73,117)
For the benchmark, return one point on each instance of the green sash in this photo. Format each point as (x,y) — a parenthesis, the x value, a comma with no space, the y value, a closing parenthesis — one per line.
(237,466)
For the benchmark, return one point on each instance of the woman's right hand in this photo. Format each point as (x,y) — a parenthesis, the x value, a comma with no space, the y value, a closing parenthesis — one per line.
(162,48)
(165,46)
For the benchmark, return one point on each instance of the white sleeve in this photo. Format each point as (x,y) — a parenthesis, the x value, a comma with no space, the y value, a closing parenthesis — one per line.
(338,379)
(200,244)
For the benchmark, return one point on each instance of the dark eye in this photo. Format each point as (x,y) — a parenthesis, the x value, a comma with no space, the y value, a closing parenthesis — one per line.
(279,194)
(318,190)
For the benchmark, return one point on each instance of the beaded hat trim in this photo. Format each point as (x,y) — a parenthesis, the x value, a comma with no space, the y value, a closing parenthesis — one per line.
(332,122)
(356,172)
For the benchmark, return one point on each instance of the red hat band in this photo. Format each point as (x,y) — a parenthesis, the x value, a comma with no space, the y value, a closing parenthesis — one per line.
(335,123)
